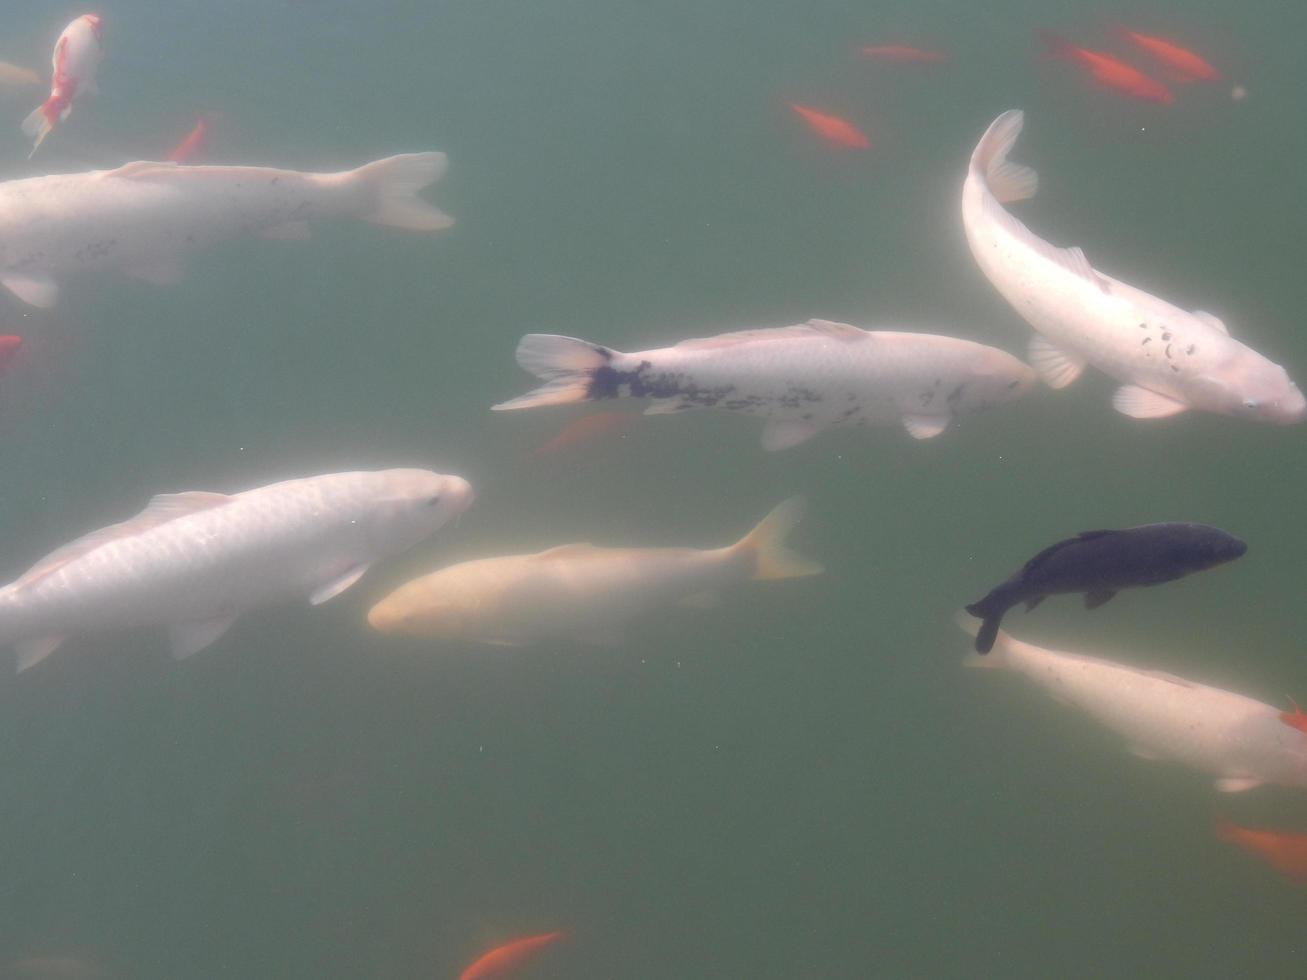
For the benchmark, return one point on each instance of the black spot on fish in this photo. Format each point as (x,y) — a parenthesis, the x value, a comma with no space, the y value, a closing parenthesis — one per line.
(1165,335)
(955,395)
(1190,349)
(1012,384)
(1175,368)
(1143,326)
(1145,341)
(1168,352)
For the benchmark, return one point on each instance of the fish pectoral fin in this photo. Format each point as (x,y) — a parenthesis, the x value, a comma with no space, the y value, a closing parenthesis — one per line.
(669,406)
(925,426)
(780,434)
(291,231)
(34,290)
(1097,597)
(1032,603)
(188,639)
(32,652)
(1237,784)
(337,585)
(1140,403)
(1057,367)
(162,270)
(1212,321)
(702,600)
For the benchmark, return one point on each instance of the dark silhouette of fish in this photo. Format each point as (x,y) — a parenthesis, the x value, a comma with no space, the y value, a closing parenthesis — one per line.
(1101,563)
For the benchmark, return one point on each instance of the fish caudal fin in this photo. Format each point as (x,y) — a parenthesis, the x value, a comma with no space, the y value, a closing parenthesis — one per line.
(38,124)
(1006,181)
(986,630)
(772,559)
(395,182)
(567,364)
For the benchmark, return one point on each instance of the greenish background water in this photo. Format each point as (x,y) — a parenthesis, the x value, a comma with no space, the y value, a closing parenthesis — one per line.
(802,783)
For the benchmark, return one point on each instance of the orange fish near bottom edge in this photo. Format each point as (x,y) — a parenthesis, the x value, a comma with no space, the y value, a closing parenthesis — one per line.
(833,129)
(1286,853)
(500,960)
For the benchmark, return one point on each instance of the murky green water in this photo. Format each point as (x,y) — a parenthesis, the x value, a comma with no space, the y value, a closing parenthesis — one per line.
(801,783)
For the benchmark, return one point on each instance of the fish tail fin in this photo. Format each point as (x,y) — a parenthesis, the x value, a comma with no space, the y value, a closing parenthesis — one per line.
(40,121)
(766,542)
(1006,181)
(394,184)
(567,365)
(991,642)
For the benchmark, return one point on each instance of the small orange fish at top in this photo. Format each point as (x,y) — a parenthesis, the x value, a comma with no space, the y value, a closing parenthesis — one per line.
(9,346)
(1108,71)
(1187,65)
(583,431)
(500,960)
(833,129)
(194,146)
(903,54)
(1286,853)
(1297,718)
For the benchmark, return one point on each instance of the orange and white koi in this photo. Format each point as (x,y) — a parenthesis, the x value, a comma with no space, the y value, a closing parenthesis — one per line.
(77,56)
(1285,852)
(1187,65)
(833,129)
(502,959)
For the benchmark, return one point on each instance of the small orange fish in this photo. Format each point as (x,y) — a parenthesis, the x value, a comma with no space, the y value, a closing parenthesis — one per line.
(833,129)
(1286,853)
(585,430)
(903,54)
(194,146)
(1186,64)
(9,345)
(1108,71)
(500,960)
(1297,718)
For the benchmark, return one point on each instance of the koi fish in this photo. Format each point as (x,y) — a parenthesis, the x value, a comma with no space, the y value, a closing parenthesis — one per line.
(903,54)
(582,592)
(9,347)
(1168,359)
(141,218)
(503,959)
(801,379)
(17,77)
(833,129)
(193,146)
(197,561)
(1183,62)
(76,60)
(1286,853)
(585,430)
(1108,71)
(1101,563)
(1297,718)
(1238,740)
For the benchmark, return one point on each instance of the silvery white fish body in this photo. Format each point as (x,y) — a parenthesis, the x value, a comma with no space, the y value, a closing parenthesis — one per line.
(1169,360)
(1242,742)
(196,561)
(801,379)
(142,218)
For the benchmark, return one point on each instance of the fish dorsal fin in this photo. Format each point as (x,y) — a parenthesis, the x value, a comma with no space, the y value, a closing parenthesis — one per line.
(1071,259)
(161,509)
(581,549)
(138,169)
(1212,321)
(1053,548)
(812,328)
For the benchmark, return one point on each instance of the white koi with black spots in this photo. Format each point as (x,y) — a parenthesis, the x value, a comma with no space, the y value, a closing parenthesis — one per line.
(1168,359)
(801,379)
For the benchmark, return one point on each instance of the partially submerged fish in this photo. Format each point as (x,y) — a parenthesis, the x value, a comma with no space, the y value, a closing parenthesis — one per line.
(1101,563)
(581,591)
(1167,359)
(502,960)
(802,379)
(1240,741)
(1285,852)
(76,61)
(197,561)
(141,218)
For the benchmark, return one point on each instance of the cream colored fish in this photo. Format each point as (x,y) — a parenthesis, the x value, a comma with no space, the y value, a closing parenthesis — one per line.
(580,591)
(1242,742)
(197,561)
(1169,360)
(142,218)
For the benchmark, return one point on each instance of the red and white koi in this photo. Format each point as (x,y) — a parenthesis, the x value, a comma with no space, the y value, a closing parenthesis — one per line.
(77,56)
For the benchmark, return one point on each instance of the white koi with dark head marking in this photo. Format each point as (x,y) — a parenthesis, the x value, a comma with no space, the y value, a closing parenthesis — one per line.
(196,561)
(143,217)
(1168,360)
(801,379)
(1242,742)
(76,61)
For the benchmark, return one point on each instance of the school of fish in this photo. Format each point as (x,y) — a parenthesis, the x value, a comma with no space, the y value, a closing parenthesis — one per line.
(195,562)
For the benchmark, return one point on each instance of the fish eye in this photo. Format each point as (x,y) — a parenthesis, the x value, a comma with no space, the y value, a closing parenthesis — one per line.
(432,501)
